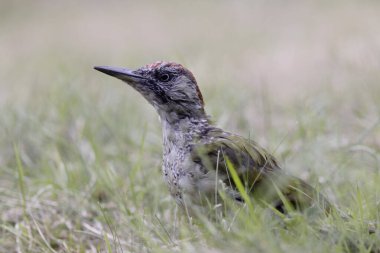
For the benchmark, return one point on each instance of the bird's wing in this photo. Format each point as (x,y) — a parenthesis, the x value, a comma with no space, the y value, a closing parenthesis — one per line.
(246,156)
(256,168)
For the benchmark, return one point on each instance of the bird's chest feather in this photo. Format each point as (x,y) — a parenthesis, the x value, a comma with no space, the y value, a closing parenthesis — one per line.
(187,180)
(175,166)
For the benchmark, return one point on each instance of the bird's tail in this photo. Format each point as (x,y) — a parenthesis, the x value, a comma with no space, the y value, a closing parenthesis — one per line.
(286,193)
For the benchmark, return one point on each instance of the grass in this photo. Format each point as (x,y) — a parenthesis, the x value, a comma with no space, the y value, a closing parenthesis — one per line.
(80,153)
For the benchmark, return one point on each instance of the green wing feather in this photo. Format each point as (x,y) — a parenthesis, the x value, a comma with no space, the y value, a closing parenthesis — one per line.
(258,171)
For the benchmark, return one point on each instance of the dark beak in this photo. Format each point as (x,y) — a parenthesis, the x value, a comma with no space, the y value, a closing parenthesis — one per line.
(120,73)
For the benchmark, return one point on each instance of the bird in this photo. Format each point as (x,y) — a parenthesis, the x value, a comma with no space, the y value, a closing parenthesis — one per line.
(203,164)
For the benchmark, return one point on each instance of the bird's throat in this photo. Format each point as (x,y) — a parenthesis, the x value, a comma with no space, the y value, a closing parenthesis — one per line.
(184,130)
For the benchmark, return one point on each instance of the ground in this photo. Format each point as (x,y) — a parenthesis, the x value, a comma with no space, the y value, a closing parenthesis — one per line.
(80,152)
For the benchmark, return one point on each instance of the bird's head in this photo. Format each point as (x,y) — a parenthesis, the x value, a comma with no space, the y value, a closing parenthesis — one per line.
(169,87)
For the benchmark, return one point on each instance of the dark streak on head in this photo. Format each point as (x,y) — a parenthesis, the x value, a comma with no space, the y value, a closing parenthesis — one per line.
(179,69)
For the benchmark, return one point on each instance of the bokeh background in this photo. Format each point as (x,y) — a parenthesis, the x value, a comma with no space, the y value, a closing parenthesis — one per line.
(300,77)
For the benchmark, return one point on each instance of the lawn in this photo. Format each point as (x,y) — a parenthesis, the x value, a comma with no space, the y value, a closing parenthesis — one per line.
(80,152)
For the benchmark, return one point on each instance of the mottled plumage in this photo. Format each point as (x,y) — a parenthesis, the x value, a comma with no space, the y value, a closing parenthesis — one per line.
(196,154)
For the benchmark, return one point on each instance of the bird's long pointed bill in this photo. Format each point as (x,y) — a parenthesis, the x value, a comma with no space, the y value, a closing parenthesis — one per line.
(120,73)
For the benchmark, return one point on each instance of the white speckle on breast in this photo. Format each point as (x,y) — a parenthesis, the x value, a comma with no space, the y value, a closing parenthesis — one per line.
(182,175)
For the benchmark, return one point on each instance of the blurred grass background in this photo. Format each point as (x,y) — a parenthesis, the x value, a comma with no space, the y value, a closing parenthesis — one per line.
(80,153)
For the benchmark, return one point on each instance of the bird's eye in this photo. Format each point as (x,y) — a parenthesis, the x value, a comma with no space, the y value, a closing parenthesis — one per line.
(164,77)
